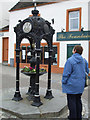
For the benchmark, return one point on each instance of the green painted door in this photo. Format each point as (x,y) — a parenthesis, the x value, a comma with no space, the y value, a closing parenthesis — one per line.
(69,49)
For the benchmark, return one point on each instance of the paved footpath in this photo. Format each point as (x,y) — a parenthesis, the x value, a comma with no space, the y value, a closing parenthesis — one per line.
(7,82)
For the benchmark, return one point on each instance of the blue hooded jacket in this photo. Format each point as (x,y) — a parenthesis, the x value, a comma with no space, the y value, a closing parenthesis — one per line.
(73,79)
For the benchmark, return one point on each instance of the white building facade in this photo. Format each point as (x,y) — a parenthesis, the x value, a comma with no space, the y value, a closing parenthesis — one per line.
(72,15)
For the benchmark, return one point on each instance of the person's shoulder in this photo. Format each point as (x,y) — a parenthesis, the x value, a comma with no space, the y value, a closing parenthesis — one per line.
(85,60)
(71,60)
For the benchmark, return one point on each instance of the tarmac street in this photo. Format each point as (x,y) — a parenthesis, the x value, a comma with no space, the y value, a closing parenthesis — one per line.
(8,78)
(7,88)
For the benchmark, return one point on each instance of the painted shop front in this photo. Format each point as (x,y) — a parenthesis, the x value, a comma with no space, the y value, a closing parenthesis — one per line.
(69,39)
(25,56)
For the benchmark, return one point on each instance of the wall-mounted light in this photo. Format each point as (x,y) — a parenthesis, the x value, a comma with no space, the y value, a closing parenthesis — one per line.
(62,30)
(52,21)
(82,28)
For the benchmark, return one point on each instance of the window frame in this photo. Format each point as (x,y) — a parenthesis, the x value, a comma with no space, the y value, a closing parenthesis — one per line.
(67,18)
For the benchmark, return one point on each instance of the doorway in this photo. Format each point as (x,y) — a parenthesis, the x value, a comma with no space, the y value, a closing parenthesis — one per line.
(69,49)
(5,50)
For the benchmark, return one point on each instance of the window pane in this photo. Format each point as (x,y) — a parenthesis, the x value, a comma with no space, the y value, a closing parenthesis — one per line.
(74,20)
(74,14)
(46,55)
(29,56)
(54,55)
(74,24)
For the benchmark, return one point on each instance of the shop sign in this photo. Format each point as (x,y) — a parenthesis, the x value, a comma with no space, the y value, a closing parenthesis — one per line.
(68,36)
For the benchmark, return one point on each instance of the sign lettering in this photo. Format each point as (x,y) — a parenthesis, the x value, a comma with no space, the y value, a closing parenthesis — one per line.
(79,35)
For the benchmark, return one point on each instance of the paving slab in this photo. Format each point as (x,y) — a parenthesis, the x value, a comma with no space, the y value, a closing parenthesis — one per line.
(24,109)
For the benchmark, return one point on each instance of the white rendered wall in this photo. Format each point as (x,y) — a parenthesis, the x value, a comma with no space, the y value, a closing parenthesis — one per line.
(56,11)
(89,16)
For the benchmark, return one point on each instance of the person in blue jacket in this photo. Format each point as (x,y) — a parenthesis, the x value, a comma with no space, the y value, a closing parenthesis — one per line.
(73,82)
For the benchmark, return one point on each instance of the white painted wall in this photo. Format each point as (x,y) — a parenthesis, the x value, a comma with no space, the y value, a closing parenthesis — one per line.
(56,11)
(89,15)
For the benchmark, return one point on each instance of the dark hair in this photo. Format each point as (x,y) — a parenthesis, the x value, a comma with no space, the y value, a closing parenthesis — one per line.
(78,48)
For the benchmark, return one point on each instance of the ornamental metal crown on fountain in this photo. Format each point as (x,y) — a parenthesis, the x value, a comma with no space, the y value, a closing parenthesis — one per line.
(34,25)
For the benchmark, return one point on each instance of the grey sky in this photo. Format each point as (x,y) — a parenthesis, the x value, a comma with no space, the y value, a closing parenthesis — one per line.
(5,6)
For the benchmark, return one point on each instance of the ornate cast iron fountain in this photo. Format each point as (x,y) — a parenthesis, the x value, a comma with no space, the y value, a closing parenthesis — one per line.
(34,29)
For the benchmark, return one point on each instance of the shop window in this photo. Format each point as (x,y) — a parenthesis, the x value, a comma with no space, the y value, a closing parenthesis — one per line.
(54,55)
(69,49)
(28,54)
(46,54)
(23,54)
(73,22)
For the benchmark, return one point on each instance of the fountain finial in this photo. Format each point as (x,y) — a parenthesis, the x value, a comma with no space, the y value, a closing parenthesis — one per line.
(35,4)
(35,12)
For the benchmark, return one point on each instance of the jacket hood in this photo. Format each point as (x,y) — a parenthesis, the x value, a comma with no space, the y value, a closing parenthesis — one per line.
(77,57)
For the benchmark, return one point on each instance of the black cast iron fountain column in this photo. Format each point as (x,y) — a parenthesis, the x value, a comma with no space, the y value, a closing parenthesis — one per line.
(32,80)
(17,96)
(49,91)
(37,102)
(29,89)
